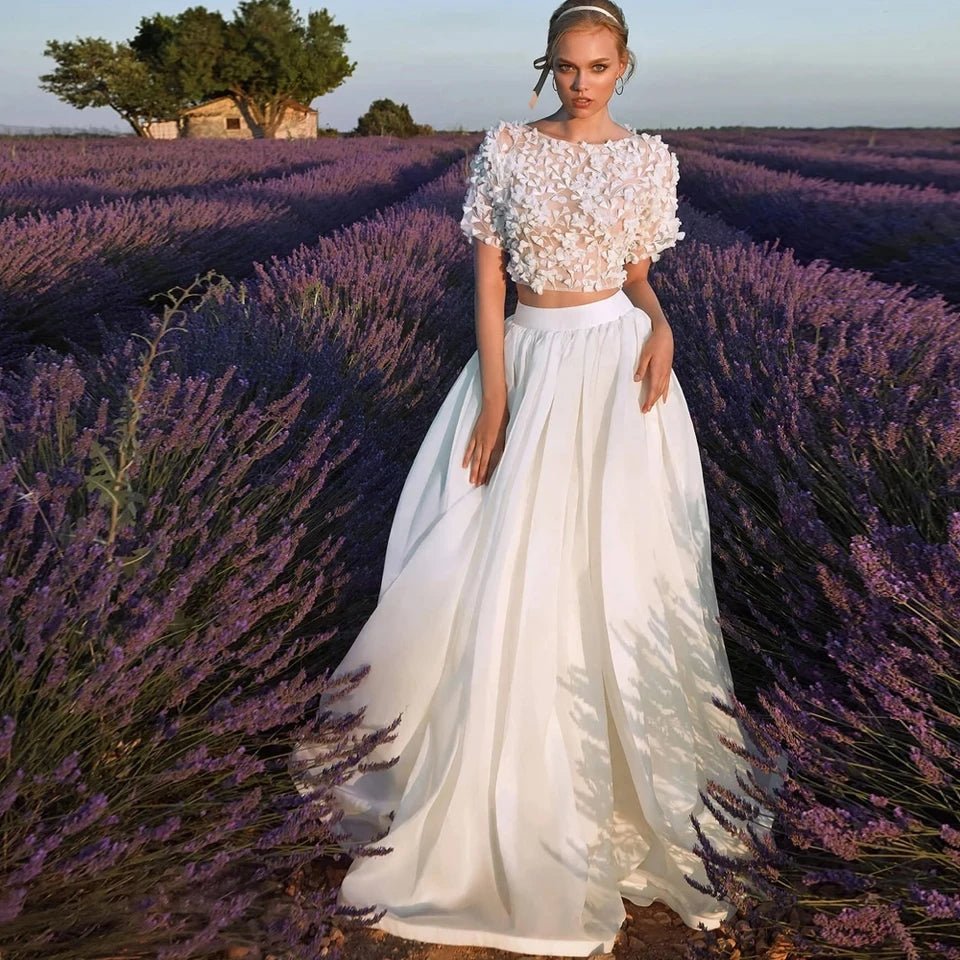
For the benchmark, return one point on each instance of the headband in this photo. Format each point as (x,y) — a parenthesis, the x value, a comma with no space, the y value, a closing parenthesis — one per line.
(546,67)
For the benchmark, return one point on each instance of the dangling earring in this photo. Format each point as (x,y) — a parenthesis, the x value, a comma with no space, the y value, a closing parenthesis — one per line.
(620,81)
(553,80)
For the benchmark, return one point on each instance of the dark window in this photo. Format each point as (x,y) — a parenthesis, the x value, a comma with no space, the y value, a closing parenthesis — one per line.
(233,123)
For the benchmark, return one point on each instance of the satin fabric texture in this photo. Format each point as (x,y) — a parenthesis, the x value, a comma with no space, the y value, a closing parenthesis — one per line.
(551,642)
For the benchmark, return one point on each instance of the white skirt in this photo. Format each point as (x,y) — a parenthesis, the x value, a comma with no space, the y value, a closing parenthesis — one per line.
(552,643)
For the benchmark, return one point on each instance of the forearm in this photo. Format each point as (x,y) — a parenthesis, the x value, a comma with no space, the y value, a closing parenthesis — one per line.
(489,311)
(641,295)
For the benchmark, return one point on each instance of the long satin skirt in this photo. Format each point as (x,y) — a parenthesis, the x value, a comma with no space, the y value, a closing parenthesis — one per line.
(551,641)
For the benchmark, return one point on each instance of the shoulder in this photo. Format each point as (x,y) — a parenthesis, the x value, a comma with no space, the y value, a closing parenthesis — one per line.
(502,135)
(657,153)
(654,143)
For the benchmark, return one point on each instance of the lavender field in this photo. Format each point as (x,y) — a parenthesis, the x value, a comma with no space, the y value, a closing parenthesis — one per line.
(91,231)
(196,489)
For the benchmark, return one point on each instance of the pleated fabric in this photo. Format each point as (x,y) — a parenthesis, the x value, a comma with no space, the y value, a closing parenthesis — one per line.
(551,643)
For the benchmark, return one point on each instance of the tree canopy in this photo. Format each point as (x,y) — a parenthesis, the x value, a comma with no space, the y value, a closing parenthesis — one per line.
(264,57)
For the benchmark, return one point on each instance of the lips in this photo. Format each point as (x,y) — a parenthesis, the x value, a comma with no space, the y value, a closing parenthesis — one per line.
(582,103)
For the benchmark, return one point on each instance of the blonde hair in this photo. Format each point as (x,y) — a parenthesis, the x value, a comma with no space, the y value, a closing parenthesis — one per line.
(566,18)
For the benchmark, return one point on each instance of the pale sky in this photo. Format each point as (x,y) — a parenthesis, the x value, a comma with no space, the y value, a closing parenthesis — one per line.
(872,62)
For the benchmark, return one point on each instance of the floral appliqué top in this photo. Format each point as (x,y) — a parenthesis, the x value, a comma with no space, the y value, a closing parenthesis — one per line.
(570,214)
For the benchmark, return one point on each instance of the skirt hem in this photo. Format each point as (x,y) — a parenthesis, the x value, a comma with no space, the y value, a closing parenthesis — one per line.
(462,937)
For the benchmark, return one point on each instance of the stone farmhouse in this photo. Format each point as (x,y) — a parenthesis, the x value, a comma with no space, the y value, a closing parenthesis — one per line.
(222,118)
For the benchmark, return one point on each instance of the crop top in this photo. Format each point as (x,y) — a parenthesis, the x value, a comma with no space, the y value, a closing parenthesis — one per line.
(571,214)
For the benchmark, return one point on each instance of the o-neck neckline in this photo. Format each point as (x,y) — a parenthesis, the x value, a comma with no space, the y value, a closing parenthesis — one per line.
(585,143)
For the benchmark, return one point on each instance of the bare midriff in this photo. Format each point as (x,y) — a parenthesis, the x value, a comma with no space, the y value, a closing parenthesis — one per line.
(560,298)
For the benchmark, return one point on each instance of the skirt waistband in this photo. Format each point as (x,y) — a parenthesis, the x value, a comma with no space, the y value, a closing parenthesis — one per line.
(573,317)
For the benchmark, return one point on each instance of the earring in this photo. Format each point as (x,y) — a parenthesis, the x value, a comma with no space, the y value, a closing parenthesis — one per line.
(620,81)
(553,80)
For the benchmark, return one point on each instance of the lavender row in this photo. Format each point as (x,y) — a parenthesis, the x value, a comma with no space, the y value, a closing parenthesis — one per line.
(900,234)
(43,176)
(189,528)
(934,143)
(827,407)
(858,166)
(65,273)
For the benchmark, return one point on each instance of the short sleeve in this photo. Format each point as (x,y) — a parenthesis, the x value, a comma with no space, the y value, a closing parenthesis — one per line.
(658,227)
(482,211)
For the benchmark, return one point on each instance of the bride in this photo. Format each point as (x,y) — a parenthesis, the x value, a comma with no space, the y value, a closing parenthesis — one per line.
(547,627)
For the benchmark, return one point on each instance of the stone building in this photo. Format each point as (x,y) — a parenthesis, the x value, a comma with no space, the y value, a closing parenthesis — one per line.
(222,118)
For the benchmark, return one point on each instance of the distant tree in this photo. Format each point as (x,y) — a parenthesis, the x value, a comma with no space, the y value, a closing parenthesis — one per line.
(384,117)
(94,72)
(272,57)
(265,57)
(184,52)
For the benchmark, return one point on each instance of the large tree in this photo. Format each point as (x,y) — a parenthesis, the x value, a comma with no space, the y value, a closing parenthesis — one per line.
(94,72)
(272,57)
(265,57)
(184,52)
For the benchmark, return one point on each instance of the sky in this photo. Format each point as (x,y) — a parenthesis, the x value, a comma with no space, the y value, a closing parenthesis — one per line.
(460,65)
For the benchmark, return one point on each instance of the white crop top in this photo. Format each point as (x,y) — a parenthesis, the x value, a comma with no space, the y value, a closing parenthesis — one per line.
(569,214)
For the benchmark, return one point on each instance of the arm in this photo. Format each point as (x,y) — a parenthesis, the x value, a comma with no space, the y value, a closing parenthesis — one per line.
(658,230)
(656,354)
(637,288)
(489,299)
(488,439)
(482,220)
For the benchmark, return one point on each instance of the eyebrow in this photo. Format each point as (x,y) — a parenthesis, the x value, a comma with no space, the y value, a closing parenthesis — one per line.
(598,60)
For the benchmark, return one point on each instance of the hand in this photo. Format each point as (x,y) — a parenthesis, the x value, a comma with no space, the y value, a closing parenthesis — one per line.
(656,360)
(487,440)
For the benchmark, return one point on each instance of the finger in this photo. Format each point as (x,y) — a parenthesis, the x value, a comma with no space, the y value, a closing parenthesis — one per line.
(651,399)
(475,465)
(485,468)
(659,384)
(641,366)
(468,453)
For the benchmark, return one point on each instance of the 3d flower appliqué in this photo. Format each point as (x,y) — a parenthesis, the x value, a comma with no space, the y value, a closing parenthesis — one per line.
(570,215)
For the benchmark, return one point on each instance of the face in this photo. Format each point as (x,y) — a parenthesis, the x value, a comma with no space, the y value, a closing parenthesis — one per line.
(586,66)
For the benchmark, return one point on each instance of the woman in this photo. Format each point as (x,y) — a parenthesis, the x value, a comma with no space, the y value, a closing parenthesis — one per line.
(547,624)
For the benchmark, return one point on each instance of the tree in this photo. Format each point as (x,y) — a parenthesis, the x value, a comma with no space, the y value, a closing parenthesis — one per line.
(94,72)
(386,117)
(264,58)
(184,52)
(271,57)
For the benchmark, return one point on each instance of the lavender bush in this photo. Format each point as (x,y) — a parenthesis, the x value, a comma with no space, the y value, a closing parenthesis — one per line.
(900,234)
(379,316)
(826,404)
(242,476)
(153,583)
